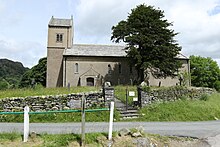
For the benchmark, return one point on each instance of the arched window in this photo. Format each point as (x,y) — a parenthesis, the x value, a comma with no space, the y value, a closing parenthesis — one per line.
(76,67)
(119,68)
(109,69)
(59,38)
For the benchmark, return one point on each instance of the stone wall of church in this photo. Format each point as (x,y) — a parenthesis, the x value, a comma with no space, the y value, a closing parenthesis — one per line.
(101,69)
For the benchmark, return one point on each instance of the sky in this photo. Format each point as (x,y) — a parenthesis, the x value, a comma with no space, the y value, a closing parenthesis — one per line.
(24,24)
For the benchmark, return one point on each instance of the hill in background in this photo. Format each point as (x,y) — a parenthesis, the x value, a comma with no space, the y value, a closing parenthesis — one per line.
(10,73)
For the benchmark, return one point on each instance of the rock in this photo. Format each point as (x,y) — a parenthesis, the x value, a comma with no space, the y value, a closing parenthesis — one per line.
(136,134)
(124,132)
(141,129)
(33,135)
(54,108)
(66,108)
(143,142)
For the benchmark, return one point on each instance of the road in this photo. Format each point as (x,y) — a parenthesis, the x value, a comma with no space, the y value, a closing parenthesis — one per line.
(209,130)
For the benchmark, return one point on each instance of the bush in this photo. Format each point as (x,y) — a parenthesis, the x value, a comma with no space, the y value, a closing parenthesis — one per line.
(217,86)
(204,97)
(146,88)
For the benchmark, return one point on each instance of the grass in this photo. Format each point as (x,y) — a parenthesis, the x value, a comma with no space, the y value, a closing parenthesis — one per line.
(207,108)
(183,110)
(100,116)
(91,140)
(38,91)
(49,140)
(120,93)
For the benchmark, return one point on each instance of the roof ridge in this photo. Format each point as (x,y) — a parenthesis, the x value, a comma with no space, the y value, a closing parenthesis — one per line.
(99,45)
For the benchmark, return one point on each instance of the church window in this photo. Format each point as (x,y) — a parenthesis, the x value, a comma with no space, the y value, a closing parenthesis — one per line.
(109,69)
(59,38)
(76,68)
(119,68)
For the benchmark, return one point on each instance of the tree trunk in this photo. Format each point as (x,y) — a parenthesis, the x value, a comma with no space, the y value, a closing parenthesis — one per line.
(140,75)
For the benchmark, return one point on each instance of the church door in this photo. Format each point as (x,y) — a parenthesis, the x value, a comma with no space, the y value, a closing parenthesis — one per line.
(90,81)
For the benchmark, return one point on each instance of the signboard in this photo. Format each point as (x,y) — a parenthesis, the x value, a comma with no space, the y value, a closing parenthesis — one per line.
(131,93)
(109,94)
(135,99)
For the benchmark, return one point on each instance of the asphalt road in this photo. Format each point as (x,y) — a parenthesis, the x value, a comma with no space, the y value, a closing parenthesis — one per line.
(208,130)
(193,129)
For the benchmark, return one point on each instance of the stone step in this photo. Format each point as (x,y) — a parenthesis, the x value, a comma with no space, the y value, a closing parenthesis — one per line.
(124,108)
(129,111)
(130,115)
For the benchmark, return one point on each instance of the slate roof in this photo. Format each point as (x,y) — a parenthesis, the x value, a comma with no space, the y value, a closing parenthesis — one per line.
(60,22)
(95,50)
(101,50)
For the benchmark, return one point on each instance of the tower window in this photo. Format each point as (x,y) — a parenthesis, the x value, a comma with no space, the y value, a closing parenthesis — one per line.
(59,37)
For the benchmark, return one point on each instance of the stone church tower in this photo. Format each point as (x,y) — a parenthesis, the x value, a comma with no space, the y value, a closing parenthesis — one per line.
(60,37)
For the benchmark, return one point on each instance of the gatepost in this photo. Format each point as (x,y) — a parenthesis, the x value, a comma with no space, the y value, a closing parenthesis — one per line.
(139,90)
(108,93)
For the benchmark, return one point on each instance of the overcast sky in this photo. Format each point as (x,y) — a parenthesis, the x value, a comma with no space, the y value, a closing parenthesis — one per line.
(24,24)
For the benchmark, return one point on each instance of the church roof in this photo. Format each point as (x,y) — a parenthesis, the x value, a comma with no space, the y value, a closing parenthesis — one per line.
(60,22)
(95,50)
(101,50)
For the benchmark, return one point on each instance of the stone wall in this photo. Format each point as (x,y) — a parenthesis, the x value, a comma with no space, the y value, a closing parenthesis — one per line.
(49,103)
(171,94)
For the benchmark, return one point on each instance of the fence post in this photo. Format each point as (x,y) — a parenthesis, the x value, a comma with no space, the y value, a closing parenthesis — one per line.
(26,123)
(111,122)
(126,98)
(83,121)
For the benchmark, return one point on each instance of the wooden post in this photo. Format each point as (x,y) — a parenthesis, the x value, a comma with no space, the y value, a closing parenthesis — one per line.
(26,123)
(83,121)
(111,122)
(126,99)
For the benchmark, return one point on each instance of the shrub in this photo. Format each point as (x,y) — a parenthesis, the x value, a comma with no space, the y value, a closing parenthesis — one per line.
(204,97)
(146,88)
(217,86)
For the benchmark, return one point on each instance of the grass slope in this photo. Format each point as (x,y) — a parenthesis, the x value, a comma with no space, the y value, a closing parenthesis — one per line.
(183,110)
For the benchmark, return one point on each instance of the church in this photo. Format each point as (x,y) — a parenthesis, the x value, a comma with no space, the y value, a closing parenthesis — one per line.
(70,64)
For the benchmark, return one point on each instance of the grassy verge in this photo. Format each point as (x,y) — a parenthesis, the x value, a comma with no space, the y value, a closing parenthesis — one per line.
(100,116)
(49,140)
(92,140)
(183,110)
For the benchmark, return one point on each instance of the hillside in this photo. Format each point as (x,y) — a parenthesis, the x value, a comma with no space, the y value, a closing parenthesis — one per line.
(10,73)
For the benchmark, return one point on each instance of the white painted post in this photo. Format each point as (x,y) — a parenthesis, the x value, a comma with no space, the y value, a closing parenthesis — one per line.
(111,121)
(83,120)
(26,123)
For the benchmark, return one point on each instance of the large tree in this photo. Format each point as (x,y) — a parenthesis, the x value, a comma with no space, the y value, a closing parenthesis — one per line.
(204,72)
(36,75)
(150,42)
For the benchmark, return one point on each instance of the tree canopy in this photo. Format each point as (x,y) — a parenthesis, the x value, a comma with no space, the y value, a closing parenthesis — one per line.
(36,75)
(204,72)
(10,73)
(150,42)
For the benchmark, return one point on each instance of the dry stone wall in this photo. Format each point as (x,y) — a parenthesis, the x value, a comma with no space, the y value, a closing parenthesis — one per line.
(171,94)
(49,103)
